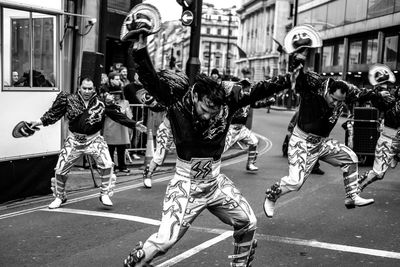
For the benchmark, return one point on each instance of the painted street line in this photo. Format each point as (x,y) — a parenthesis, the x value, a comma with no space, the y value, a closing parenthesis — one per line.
(195,250)
(139,184)
(221,232)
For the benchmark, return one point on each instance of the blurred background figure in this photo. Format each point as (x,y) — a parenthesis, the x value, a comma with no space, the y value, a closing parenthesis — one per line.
(14,78)
(215,75)
(124,76)
(116,135)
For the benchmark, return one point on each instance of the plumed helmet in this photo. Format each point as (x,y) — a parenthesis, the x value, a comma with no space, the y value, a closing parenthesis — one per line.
(143,18)
(380,74)
(303,36)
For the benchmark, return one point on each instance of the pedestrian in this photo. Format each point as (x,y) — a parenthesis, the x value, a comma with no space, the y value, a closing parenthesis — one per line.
(115,134)
(114,81)
(387,150)
(321,105)
(85,113)
(215,75)
(199,122)
(124,76)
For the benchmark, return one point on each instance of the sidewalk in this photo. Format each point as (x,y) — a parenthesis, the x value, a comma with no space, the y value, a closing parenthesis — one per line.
(81,178)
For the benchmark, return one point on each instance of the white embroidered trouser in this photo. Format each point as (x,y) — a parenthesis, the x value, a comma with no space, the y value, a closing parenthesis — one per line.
(240,134)
(387,147)
(199,185)
(74,147)
(305,150)
(164,140)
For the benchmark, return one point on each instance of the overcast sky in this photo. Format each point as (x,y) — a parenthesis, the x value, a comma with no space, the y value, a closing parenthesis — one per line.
(171,10)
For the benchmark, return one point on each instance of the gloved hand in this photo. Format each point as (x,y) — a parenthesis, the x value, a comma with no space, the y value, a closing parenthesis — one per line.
(141,127)
(134,25)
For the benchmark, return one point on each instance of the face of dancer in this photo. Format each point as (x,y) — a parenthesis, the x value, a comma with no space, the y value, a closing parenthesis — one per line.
(335,98)
(87,90)
(204,108)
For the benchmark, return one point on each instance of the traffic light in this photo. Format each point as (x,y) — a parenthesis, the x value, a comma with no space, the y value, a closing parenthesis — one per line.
(188,12)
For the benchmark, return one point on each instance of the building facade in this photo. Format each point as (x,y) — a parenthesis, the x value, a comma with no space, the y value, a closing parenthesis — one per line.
(262,22)
(356,34)
(218,42)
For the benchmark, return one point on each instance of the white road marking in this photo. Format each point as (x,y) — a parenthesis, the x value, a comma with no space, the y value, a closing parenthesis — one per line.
(139,184)
(107,215)
(324,245)
(195,250)
(223,234)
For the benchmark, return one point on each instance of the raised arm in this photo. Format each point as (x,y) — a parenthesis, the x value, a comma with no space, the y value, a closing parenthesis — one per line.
(115,114)
(258,91)
(56,111)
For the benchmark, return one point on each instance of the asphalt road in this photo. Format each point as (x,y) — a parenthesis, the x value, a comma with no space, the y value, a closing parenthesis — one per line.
(311,227)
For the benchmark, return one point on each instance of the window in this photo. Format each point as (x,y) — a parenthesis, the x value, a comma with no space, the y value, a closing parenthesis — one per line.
(327,56)
(319,16)
(355,52)
(372,51)
(218,45)
(304,17)
(218,31)
(391,47)
(356,10)
(217,62)
(335,14)
(364,51)
(208,30)
(29,49)
(380,7)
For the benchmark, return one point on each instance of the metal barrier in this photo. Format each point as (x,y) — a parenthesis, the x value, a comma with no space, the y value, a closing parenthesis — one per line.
(139,140)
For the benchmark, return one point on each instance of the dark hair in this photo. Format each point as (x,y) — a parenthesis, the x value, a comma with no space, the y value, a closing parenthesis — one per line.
(339,84)
(214,91)
(112,75)
(85,78)
(214,71)
(176,80)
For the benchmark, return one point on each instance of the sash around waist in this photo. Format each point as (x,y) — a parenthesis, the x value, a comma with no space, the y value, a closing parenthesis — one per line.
(198,168)
(312,138)
(394,133)
(83,138)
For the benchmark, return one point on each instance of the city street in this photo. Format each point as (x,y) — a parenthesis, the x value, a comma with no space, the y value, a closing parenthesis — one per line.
(311,227)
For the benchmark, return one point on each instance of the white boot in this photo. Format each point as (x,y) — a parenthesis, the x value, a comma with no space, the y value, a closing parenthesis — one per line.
(272,195)
(147,182)
(147,177)
(251,167)
(57,203)
(356,201)
(269,207)
(105,200)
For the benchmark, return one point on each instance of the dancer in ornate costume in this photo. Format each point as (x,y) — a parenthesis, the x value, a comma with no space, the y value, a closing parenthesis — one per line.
(238,132)
(321,105)
(387,150)
(199,121)
(85,113)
